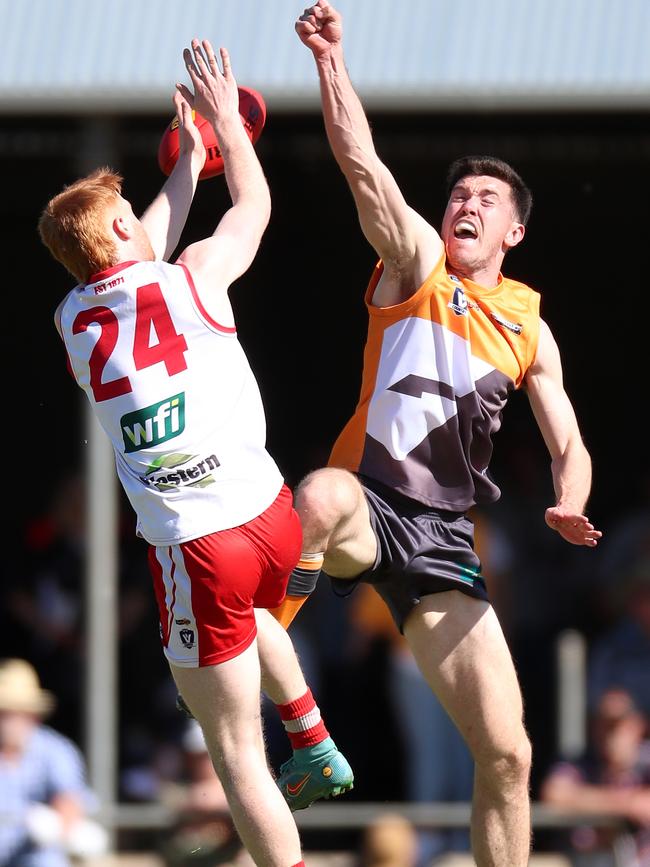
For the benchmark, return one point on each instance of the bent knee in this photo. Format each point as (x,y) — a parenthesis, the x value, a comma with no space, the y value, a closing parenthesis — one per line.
(509,764)
(326,497)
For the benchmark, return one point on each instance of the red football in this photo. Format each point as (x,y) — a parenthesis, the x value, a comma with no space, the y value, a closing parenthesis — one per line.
(252,111)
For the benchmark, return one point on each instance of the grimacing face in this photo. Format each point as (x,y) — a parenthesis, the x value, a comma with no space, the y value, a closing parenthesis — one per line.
(479,224)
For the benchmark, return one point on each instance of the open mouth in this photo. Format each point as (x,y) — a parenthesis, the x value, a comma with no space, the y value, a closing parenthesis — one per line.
(465,229)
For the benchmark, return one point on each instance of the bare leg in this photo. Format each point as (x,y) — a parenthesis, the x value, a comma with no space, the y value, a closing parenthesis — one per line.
(282,677)
(225,699)
(460,649)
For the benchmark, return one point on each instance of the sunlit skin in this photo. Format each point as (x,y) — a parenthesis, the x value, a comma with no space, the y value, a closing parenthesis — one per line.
(128,227)
(479,226)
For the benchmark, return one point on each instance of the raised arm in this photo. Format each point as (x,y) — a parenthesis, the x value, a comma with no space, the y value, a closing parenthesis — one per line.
(165,217)
(570,460)
(217,261)
(398,234)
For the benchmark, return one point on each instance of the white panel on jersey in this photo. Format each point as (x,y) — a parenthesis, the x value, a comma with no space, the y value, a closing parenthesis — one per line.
(418,347)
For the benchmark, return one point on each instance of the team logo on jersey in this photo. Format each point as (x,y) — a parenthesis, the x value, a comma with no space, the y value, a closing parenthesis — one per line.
(459,302)
(512,326)
(187,638)
(153,424)
(197,474)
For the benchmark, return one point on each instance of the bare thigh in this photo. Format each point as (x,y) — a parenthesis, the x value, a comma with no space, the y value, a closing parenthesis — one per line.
(225,699)
(461,650)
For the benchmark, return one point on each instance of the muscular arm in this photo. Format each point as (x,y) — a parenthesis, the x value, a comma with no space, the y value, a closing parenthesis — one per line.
(227,254)
(407,244)
(570,460)
(217,261)
(165,217)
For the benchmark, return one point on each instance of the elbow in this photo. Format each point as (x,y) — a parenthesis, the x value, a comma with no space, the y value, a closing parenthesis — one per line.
(265,211)
(261,202)
(255,208)
(259,217)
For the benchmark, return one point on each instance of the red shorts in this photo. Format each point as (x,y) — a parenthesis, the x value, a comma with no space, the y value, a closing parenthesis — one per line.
(206,589)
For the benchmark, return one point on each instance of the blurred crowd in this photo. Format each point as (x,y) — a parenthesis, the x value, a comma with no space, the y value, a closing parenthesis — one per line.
(360,667)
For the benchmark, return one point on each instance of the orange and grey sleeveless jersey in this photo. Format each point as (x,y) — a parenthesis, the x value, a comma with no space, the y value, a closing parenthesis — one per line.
(175,393)
(438,368)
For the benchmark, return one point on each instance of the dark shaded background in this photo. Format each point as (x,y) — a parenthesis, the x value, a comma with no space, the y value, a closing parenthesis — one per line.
(302,320)
(299,308)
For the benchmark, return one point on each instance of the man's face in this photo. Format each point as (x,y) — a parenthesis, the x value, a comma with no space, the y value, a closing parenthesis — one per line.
(618,729)
(479,224)
(16,728)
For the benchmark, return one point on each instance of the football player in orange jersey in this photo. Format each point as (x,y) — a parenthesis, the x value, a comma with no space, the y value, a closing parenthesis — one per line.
(449,338)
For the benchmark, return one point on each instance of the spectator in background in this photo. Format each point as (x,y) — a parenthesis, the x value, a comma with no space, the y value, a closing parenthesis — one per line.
(612,779)
(44,596)
(202,832)
(621,657)
(390,841)
(44,799)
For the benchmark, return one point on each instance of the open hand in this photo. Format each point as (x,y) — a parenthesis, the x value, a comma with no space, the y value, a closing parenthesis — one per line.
(215,92)
(320,28)
(576,529)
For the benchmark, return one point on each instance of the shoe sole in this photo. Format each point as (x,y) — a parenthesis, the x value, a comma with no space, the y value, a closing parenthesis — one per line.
(334,793)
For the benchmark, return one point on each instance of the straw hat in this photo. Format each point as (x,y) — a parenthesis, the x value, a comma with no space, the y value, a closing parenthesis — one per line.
(20,689)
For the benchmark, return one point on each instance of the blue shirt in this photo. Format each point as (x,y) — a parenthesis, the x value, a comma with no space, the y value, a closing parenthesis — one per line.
(51,765)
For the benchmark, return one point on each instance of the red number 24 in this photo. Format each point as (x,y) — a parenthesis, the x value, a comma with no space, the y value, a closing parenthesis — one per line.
(151,311)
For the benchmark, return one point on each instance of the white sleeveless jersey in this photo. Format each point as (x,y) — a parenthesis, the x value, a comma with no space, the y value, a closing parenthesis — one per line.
(175,393)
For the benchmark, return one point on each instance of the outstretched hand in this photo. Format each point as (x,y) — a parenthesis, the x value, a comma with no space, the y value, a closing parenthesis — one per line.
(215,92)
(576,529)
(190,140)
(320,27)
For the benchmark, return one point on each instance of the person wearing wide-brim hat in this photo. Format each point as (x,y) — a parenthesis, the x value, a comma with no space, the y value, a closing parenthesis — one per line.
(45,798)
(20,689)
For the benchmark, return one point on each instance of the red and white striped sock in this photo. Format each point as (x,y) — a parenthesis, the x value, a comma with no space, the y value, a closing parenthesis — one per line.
(302,721)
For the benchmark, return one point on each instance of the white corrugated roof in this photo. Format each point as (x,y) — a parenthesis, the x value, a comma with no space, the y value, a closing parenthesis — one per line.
(125,55)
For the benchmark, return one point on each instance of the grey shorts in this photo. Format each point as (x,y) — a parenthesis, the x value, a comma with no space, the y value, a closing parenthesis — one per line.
(420,551)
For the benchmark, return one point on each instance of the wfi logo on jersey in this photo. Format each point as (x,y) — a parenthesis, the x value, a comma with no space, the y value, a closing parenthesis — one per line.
(458,303)
(153,424)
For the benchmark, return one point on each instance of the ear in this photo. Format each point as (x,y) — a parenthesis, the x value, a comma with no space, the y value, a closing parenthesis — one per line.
(514,236)
(121,228)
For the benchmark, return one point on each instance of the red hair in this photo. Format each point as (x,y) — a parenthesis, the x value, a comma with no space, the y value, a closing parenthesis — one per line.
(72,224)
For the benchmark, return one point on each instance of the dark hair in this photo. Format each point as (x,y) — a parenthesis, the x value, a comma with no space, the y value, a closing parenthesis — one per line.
(493,168)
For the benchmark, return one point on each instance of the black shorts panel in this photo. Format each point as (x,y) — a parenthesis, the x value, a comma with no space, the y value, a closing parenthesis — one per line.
(420,551)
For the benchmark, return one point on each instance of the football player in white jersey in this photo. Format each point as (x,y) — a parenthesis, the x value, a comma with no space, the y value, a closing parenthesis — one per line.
(154,347)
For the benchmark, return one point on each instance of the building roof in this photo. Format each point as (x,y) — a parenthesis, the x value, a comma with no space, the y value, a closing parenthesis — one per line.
(88,56)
